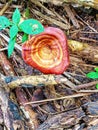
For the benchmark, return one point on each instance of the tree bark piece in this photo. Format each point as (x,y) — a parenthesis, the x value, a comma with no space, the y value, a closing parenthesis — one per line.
(64,120)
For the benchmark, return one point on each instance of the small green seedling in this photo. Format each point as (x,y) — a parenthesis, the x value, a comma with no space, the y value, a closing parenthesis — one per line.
(93,75)
(28,27)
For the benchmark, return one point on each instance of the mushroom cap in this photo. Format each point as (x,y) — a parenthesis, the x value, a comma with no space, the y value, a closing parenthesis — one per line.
(47,51)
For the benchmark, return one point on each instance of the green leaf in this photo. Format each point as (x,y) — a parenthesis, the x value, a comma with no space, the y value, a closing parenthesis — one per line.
(25,37)
(27,13)
(13,31)
(31,26)
(96,86)
(11,46)
(4,22)
(96,69)
(92,75)
(16,16)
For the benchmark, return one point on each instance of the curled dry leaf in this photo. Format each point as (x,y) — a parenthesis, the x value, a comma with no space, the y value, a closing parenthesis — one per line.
(47,51)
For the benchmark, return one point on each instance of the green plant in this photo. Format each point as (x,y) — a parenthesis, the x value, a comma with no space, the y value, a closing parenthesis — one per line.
(29,26)
(93,75)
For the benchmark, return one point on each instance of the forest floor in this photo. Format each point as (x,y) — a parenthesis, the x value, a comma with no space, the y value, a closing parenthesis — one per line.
(71,105)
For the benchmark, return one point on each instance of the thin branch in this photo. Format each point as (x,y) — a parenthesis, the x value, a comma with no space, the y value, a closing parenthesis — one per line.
(60,98)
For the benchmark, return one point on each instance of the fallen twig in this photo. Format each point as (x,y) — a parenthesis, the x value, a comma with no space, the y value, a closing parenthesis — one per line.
(39,80)
(87,85)
(5,7)
(60,98)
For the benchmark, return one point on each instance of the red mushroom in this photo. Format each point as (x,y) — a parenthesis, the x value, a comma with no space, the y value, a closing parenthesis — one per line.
(47,52)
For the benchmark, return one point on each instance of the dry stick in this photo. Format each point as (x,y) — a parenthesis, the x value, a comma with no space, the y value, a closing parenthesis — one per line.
(41,80)
(88,39)
(63,97)
(47,80)
(5,7)
(88,91)
(87,85)
(3,49)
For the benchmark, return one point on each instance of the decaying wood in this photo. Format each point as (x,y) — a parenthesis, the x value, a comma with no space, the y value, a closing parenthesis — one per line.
(91,3)
(63,120)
